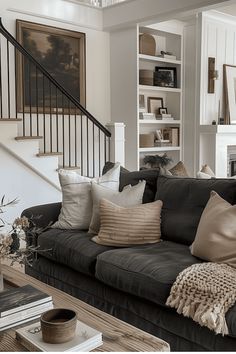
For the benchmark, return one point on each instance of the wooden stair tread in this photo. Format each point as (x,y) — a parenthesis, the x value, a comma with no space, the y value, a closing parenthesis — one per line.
(10,120)
(28,137)
(45,154)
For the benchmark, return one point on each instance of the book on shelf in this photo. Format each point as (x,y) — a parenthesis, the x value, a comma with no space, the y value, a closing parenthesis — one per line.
(147,116)
(24,316)
(22,298)
(172,134)
(85,340)
(165,117)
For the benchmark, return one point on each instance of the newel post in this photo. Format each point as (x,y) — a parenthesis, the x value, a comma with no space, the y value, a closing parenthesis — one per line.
(117,145)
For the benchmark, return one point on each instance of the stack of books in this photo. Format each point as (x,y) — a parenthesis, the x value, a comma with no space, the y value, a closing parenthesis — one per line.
(85,340)
(20,305)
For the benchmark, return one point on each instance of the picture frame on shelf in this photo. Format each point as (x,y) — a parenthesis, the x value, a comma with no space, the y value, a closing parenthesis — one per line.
(62,53)
(229,93)
(165,77)
(154,104)
(163,110)
(142,107)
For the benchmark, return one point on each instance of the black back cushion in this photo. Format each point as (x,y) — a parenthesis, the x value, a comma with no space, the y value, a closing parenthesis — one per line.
(184,200)
(133,178)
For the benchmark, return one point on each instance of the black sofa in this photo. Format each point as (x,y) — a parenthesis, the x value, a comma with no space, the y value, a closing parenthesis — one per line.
(133,283)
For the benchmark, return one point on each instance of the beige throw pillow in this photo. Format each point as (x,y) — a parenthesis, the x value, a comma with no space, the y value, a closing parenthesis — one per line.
(130,196)
(216,235)
(124,227)
(76,211)
(207,170)
(179,170)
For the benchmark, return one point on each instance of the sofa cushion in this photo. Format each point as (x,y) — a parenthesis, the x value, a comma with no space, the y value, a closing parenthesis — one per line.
(133,178)
(72,248)
(184,201)
(144,271)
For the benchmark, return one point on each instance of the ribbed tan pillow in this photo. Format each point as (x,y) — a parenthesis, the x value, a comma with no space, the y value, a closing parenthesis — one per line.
(124,227)
(215,240)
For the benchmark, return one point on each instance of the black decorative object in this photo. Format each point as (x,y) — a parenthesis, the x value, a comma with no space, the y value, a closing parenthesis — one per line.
(156,161)
(165,77)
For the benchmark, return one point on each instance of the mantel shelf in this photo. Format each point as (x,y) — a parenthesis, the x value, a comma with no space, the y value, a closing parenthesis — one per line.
(218,129)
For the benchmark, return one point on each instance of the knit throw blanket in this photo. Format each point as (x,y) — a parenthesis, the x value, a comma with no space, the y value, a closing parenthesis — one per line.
(205,292)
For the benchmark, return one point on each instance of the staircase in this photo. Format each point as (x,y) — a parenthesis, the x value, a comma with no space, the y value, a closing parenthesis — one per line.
(43,125)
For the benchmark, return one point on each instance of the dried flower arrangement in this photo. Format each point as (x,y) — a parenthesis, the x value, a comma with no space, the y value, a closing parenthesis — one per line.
(19,243)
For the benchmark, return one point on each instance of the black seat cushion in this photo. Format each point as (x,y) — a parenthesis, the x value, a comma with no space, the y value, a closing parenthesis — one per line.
(133,178)
(72,248)
(184,200)
(145,271)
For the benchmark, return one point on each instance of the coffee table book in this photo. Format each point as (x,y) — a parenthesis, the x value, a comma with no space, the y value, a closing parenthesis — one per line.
(22,298)
(86,339)
(24,316)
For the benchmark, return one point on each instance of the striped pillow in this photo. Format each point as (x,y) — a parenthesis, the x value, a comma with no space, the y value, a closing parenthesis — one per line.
(124,227)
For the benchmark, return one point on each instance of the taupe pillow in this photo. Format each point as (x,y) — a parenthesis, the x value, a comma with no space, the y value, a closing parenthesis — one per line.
(179,170)
(216,235)
(124,227)
(130,196)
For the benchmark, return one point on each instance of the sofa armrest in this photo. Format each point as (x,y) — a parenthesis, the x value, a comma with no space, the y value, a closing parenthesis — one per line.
(43,215)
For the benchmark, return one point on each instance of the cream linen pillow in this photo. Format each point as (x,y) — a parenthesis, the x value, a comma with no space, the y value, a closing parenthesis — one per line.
(216,235)
(124,227)
(202,175)
(130,196)
(76,211)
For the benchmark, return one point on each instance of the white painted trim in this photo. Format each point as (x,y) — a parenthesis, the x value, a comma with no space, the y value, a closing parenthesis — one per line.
(220,16)
(77,2)
(9,151)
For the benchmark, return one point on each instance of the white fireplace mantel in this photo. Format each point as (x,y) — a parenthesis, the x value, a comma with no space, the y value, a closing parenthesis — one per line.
(215,141)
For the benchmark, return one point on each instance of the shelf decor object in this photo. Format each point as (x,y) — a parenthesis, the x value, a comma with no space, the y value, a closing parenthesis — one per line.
(213,74)
(154,105)
(229,93)
(147,44)
(165,77)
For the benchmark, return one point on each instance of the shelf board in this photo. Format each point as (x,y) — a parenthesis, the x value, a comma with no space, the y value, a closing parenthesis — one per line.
(151,121)
(159,59)
(158,149)
(157,88)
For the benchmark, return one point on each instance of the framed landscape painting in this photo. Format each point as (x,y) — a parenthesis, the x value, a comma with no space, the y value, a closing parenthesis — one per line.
(62,53)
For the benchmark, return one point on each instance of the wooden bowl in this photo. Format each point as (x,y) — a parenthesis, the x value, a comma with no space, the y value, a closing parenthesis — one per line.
(58,326)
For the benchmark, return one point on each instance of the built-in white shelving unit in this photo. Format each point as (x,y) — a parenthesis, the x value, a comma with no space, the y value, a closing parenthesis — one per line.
(168,40)
(126,61)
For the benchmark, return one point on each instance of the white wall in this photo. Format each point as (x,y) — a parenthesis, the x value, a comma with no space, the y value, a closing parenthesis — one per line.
(72,16)
(16,180)
(218,41)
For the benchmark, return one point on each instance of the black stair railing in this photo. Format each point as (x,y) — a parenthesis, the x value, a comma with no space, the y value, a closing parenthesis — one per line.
(47,111)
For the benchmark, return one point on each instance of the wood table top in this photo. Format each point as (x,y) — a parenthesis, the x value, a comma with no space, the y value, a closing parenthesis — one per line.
(118,336)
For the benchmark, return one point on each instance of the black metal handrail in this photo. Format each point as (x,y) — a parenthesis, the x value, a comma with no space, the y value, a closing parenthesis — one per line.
(65,126)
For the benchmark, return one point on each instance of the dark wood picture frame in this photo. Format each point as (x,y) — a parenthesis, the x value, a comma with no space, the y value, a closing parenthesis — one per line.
(165,76)
(62,53)
(151,106)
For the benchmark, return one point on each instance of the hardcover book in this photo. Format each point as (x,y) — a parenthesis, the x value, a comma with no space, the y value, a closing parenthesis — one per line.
(18,299)
(86,339)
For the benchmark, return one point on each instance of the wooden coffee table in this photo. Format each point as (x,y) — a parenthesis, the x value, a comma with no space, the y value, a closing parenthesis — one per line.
(118,336)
